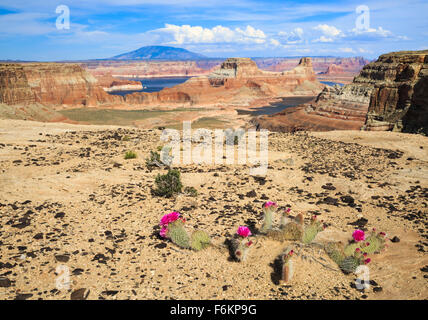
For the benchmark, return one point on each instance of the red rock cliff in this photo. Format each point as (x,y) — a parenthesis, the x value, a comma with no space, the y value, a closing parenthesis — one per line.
(51,84)
(399,100)
(237,82)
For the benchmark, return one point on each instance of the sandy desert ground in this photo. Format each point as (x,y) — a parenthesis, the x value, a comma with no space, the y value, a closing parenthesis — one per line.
(68,197)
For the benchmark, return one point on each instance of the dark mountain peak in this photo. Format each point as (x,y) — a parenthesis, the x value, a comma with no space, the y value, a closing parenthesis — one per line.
(159,53)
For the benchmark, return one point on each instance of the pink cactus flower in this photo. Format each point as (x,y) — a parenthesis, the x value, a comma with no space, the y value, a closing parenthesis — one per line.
(243,232)
(270,204)
(357,250)
(291,253)
(367,261)
(163,232)
(288,210)
(367,244)
(383,234)
(249,243)
(358,235)
(364,254)
(168,218)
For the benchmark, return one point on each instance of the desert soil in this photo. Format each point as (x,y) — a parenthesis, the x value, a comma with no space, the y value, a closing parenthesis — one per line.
(69,198)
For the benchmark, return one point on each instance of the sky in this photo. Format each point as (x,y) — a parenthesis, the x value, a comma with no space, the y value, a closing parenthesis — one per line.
(54,30)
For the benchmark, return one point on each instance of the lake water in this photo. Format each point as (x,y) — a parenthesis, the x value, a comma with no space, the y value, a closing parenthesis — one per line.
(329,83)
(154,84)
(277,106)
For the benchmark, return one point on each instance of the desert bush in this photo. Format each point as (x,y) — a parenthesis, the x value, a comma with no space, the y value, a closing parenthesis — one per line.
(130,155)
(168,184)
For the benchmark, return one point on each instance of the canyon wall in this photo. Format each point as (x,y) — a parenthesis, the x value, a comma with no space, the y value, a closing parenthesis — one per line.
(389,94)
(51,84)
(238,82)
(145,69)
(399,100)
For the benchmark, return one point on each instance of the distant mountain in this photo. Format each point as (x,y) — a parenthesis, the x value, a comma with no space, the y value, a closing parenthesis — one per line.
(159,53)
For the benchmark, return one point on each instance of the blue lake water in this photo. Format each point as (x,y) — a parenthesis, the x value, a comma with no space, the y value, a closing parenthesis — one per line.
(329,83)
(154,84)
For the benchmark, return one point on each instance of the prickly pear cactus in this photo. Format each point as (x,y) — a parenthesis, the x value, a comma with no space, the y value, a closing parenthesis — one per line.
(350,264)
(240,249)
(178,234)
(335,252)
(199,240)
(292,231)
(375,243)
(287,266)
(311,231)
(268,220)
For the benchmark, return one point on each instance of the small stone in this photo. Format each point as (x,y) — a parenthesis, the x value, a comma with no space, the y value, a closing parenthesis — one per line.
(251,194)
(395,239)
(62,257)
(5,283)
(80,294)
(377,289)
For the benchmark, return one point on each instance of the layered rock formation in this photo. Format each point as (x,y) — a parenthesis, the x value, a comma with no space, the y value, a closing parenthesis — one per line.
(399,100)
(320,64)
(237,82)
(51,84)
(145,69)
(389,94)
(111,84)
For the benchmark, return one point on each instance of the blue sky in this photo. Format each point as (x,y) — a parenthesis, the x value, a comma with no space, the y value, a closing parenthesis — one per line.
(274,28)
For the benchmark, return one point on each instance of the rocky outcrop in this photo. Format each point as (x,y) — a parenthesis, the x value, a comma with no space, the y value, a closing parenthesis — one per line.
(111,84)
(145,69)
(335,108)
(51,84)
(399,100)
(320,64)
(238,82)
(389,94)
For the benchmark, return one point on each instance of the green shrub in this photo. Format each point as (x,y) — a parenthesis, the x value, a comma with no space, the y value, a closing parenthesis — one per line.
(153,160)
(168,184)
(191,191)
(130,155)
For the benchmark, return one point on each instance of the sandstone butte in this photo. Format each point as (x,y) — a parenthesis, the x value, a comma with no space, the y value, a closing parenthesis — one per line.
(389,94)
(42,88)
(238,82)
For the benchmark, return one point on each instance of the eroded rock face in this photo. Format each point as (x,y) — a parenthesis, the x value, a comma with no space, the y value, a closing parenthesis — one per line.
(238,82)
(335,108)
(399,100)
(51,84)
(389,94)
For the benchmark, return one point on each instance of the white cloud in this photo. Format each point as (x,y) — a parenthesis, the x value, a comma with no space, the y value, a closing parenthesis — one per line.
(187,34)
(275,42)
(293,37)
(347,50)
(25,24)
(329,31)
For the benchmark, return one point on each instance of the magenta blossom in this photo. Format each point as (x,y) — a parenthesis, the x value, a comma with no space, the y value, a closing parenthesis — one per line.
(244,232)
(358,235)
(163,232)
(367,260)
(270,204)
(168,218)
